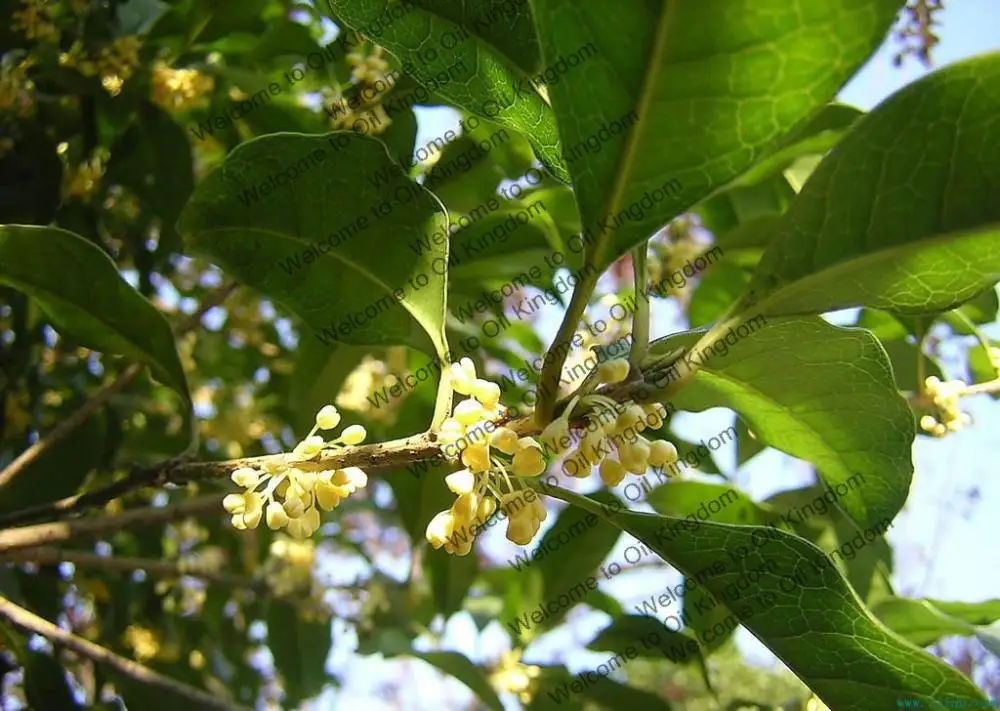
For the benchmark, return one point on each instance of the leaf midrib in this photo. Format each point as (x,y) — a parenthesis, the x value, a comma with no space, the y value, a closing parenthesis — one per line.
(623,169)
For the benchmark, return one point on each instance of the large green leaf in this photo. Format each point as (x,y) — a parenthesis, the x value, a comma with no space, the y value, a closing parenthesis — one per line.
(922,233)
(924,622)
(809,513)
(818,392)
(790,596)
(696,94)
(300,648)
(347,242)
(467,64)
(80,289)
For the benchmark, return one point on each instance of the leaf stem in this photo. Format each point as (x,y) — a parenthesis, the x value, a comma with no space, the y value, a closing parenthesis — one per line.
(640,318)
(548,380)
(25,620)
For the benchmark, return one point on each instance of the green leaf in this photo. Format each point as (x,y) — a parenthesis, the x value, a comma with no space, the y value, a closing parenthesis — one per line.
(470,168)
(451,578)
(692,499)
(153,159)
(816,136)
(818,392)
(320,372)
(459,666)
(790,596)
(80,289)
(351,251)
(60,469)
(466,65)
(45,684)
(716,292)
(810,513)
(568,557)
(924,622)
(922,232)
(300,649)
(649,637)
(508,244)
(697,94)
(558,689)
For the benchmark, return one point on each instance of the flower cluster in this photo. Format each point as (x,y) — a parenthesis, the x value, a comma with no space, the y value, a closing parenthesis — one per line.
(177,89)
(34,20)
(16,87)
(491,455)
(512,677)
(611,427)
(945,396)
(114,63)
(82,180)
(285,494)
(368,75)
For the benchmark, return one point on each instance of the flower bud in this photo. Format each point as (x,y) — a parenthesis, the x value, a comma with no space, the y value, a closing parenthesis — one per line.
(276,517)
(521,530)
(612,472)
(662,453)
(440,529)
(327,418)
(327,496)
(504,439)
(234,503)
(613,371)
(465,507)
(555,436)
(476,457)
(486,392)
(463,375)
(468,412)
(461,482)
(309,447)
(355,434)
(245,477)
(528,461)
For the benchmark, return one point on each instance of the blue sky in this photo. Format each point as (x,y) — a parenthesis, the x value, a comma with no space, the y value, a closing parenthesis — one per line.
(941,541)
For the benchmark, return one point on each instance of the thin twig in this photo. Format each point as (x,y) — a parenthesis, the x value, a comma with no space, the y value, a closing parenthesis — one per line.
(47,533)
(102,396)
(170,569)
(30,622)
(68,425)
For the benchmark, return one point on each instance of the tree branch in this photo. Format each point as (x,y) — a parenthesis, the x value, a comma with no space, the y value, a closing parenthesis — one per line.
(30,622)
(46,533)
(102,396)
(170,569)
